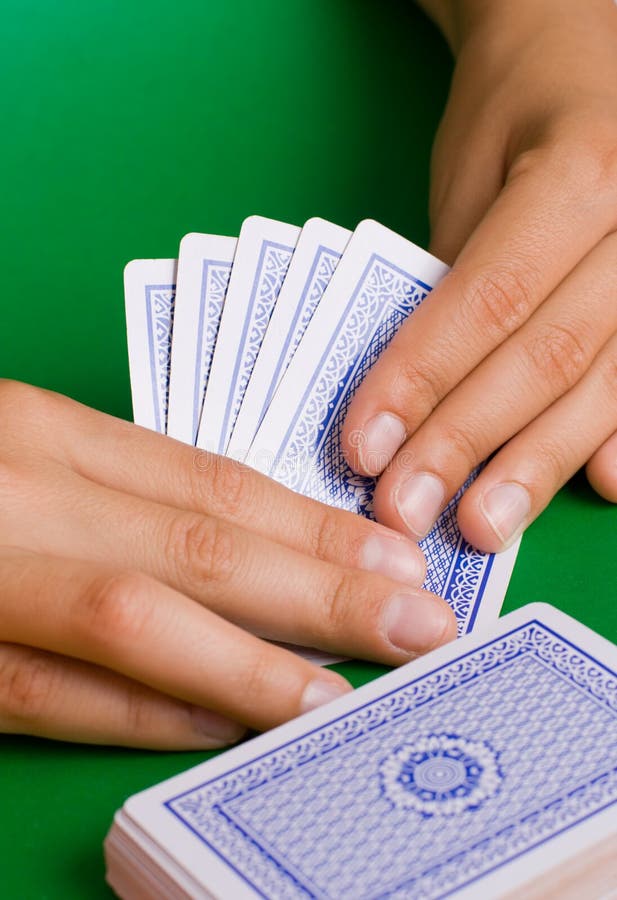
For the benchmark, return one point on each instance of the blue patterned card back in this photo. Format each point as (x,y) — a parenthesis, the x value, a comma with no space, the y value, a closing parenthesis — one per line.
(428,787)
(326,261)
(274,261)
(309,458)
(160,300)
(214,282)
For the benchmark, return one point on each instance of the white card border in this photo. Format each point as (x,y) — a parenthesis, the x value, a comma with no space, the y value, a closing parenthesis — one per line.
(182,845)
(195,250)
(138,274)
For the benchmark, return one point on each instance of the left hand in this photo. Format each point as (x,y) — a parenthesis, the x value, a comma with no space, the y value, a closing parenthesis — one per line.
(516,350)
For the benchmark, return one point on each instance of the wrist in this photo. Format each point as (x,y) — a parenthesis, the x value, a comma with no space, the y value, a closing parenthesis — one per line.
(465,21)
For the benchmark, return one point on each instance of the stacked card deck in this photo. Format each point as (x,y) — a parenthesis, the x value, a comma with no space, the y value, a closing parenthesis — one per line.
(488,768)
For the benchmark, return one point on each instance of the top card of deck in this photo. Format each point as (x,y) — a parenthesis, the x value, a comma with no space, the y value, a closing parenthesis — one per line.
(315,258)
(204,268)
(149,292)
(263,254)
(381,279)
(467,773)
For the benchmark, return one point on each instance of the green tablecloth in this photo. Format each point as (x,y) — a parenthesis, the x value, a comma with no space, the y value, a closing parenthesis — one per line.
(126,125)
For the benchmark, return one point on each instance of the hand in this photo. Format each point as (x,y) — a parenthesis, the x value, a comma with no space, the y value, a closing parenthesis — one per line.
(516,350)
(133,567)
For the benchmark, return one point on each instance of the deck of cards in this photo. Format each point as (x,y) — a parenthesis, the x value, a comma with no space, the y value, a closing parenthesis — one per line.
(486,769)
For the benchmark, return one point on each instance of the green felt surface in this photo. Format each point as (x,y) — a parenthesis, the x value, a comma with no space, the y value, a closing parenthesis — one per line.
(126,125)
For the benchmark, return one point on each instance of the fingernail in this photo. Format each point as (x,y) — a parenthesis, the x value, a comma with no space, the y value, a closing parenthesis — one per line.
(415,623)
(394,557)
(506,508)
(383,435)
(419,501)
(322,691)
(221,730)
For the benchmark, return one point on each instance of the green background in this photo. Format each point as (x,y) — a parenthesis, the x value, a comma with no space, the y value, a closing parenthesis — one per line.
(126,125)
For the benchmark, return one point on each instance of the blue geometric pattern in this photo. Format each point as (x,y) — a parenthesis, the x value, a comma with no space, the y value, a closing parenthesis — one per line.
(274,260)
(440,774)
(214,283)
(322,270)
(311,461)
(160,301)
(314,817)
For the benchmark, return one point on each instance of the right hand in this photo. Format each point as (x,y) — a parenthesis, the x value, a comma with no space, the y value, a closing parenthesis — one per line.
(135,572)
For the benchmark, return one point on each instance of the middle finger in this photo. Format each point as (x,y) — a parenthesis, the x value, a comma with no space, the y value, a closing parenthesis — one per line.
(264,587)
(524,376)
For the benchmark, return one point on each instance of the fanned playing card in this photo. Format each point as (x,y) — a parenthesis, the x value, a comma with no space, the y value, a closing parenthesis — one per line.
(316,256)
(381,279)
(204,269)
(150,291)
(264,252)
(483,769)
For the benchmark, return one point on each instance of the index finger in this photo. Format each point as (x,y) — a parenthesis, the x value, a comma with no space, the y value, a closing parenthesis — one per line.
(556,206)
(139,462)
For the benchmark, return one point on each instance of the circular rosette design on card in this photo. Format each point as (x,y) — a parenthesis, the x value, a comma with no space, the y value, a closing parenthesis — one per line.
(441,775)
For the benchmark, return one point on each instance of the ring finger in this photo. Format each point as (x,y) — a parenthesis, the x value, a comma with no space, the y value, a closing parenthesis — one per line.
(266,588)
(145,631)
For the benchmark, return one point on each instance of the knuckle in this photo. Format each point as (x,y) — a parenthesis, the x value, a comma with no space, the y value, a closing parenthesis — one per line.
(139,712)
(117,608)
(323,536)
(28,681)
(555,457)
(337,605)
(227,490)
(594,166)
(202,547)
(559,355)
(13,393)
(257,677)
(460,444)
(29,403)
(526,162)
(419,382)
(609,373)
(588,167)
(498,301)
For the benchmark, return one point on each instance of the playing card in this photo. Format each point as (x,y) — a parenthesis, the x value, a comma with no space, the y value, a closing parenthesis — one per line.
(149,292)
(204,267)
(315,258)
(381,279)
(263,254)
(468,773)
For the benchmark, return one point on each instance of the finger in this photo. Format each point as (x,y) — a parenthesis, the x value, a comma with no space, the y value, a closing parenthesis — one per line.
(137,461)
(523,477)
(459,200)
(556,206)
(265,588)
(519,380)
(46,695)
(602,469)
(149,633)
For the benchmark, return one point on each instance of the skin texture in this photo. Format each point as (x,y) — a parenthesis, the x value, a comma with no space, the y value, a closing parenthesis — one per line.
(135,572)
(515,352)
